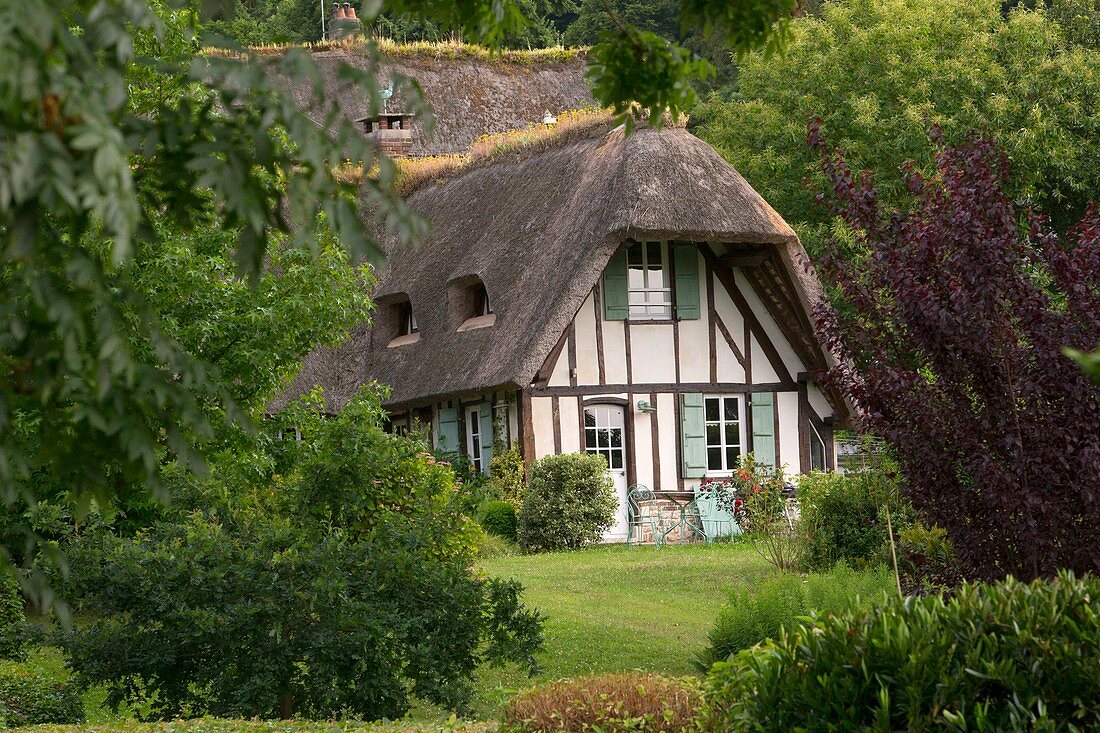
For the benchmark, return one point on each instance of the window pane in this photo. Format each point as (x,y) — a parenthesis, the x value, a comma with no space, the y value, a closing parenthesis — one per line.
(616,437)
(714,459)
(604,438)
(589,419)
(617,459)
(638,310)
(634,255)
(712,408)
(732,455)
(714,434)
(733,434)
(637,297)
(589,439)
(731,408)
(653,255)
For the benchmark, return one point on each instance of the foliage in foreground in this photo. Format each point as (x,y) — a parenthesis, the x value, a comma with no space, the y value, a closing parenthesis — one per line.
(1008,656)
(950,342)
(754,614)
(12,619)
(880,72)
(229,725)
(612,703)
(321,578)
(843,516)
(570,503)
(31,697)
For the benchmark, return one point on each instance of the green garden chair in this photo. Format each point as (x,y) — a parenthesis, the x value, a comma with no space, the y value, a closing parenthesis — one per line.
(643,511)
(714,521)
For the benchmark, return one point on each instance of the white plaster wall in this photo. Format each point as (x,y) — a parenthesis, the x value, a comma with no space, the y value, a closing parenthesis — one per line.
(588,365)
(614,352)
(786,353)
(668,419)
(730,313)
(762,370)
(652,353)
(818,402)
(559,377)
(643,441)
(729,369)
(542,420)
(570,425)
(787,403)
(694,357)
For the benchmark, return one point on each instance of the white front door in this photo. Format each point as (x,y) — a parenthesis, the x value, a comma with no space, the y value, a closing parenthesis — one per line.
(605,435)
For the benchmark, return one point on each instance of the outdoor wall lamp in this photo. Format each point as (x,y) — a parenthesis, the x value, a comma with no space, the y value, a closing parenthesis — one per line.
(644,406)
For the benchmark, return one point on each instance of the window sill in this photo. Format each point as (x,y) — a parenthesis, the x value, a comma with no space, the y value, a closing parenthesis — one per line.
(650,321)
(472,324)
(409,338)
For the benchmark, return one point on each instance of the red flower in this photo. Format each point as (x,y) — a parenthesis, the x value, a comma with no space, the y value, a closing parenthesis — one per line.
(755,488)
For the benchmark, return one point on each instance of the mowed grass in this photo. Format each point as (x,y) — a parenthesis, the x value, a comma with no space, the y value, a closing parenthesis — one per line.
(616,609)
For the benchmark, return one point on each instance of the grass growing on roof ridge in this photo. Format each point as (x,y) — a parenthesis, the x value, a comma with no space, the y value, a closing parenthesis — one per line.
(446,49)
(488,149)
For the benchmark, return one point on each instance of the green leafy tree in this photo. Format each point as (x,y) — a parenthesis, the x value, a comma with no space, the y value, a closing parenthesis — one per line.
(300,581)
(1080,20)
(880,73)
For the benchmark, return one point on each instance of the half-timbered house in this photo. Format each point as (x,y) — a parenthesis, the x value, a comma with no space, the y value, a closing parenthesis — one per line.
(626,295)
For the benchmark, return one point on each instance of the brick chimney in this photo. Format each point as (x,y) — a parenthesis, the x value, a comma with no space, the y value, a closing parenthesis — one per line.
(344,22)
(392,131)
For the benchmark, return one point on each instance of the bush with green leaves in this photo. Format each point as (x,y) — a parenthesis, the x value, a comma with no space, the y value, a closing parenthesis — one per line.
(343,587)
(31,697)
(844,516)
(499,518)
(507,479)
(12,619)
(570,503)
(927,561)
(880,73)
(1005,656)
(754,614)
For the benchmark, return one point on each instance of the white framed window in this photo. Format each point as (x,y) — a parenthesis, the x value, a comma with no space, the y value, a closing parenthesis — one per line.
(648,283)
(817,451)
(723,425)
(603,434)
(474,437)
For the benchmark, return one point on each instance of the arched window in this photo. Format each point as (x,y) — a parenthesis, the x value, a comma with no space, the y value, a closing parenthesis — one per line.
(395,321)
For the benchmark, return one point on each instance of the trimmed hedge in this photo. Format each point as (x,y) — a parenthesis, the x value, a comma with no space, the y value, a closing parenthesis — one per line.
(499,518)
(610,703)
(29,697)
(570,502)
(1009,656)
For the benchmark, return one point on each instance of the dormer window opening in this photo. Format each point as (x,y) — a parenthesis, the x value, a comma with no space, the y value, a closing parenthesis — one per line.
(408,320)
(484,306)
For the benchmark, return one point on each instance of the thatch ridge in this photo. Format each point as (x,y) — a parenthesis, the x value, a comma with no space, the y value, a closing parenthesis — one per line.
(538,230)
(393,50)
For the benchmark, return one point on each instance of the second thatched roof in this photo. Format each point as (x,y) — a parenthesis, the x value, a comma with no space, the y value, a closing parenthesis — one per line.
(538,230)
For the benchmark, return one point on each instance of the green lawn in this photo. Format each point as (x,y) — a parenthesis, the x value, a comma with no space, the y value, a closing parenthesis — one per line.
(612,609)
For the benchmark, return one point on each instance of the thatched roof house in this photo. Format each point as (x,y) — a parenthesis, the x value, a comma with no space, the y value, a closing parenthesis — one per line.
(630,296)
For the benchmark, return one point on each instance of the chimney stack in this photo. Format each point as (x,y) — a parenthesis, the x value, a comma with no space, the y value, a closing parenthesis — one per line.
(344,21)
(391,131)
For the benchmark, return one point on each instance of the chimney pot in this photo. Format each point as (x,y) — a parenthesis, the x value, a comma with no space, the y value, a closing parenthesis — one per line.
(350,12)
(338,12)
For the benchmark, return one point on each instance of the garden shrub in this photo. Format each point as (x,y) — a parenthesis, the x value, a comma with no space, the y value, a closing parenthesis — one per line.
(927,561)
(757,496)
(610,703)
(843,517)
(1007,656)
(506,476)
(12,620)
(30,697)
(753,614)
(570,502)
(499,518)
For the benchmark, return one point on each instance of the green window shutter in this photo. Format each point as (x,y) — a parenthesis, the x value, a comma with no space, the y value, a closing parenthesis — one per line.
(693,435)
(686,257)
(485,411)
(763,428)
(448,430)
(616,297)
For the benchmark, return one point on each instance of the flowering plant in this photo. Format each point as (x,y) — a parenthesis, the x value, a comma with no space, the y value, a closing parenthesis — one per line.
(756,496)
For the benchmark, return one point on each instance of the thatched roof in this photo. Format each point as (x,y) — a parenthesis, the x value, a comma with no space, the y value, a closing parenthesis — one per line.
(538,229)
(471,95)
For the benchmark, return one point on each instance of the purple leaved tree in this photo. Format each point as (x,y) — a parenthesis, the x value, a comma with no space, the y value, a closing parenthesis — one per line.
(950,330)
